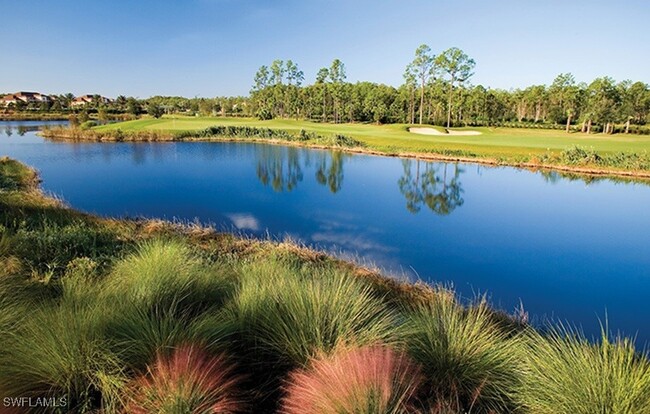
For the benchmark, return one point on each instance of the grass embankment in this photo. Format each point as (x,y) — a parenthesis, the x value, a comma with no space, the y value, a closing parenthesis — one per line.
(34,116)
(595,154)
(145,316)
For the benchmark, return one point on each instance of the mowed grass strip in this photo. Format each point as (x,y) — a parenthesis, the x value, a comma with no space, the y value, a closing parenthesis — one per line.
(493,142)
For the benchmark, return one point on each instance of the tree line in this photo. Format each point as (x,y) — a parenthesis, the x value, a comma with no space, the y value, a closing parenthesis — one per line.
(436,90)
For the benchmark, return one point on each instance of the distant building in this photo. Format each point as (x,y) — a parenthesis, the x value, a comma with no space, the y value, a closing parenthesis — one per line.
(26,97)
(86,99)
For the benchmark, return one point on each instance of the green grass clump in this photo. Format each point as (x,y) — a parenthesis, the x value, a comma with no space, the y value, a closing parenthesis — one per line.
(51,246)
(293,315)
(471,365)
(167,273)
(58,350)
(159,292)
(568,374)
(15,176)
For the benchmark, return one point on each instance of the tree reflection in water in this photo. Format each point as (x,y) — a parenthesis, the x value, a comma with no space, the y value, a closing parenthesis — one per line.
(279,167)
(437,186)
(282,167)
(331,175)
(425,183)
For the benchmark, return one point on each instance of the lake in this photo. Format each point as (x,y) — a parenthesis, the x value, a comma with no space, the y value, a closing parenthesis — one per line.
(569,250)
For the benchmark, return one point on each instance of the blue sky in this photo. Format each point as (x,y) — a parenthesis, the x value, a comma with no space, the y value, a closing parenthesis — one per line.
(213,47)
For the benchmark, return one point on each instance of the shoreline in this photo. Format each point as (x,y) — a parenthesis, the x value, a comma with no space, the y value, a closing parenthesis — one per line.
(242,245)
(37,117)
(161,136)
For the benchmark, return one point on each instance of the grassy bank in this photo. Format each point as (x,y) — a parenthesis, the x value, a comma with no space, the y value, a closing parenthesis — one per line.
(146,316)
(34,116)
(596,154)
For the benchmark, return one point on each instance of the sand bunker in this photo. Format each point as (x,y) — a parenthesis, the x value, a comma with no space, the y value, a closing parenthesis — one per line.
(433,131)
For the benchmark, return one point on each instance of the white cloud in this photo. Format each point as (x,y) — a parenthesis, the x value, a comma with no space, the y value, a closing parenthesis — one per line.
(244,221)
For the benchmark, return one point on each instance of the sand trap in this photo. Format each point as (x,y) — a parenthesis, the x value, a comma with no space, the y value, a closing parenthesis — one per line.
(433,131)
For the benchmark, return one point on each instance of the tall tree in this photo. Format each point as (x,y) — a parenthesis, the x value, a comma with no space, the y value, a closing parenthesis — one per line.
(458,67)
(261,79)
(337,77)
(635,104)
(411,85)
(294,75)
(565,97)
(602,103)
(321,84)
(277,72)
(421,68)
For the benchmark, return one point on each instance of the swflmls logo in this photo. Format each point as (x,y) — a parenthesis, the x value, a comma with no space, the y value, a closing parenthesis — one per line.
(35,402)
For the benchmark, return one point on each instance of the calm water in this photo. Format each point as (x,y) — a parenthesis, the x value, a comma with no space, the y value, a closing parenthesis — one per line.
(566,249)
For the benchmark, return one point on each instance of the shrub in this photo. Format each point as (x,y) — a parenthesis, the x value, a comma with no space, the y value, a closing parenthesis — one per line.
(471,364)
(87,125)
(568,374)
(578,156)
(155,111)
(370,380)
(294,315)
(339,140)
(188,381)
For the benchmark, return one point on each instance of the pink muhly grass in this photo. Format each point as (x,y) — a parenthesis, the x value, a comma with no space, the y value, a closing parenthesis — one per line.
(372,379)
(189,381)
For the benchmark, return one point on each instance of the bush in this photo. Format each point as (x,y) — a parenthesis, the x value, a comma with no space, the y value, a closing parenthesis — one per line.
(264,114)
(568,374)
(155,111)
(364,381)
(578,156)
(188,381)
(339,140)
(470,363)
(87,125)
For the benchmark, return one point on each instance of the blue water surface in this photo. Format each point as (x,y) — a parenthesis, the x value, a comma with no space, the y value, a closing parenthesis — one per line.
(570,250)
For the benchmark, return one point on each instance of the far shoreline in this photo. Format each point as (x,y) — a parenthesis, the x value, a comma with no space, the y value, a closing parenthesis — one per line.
(79,135)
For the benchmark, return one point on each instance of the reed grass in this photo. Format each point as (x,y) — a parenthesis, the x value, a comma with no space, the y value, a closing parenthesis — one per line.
(167,273)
